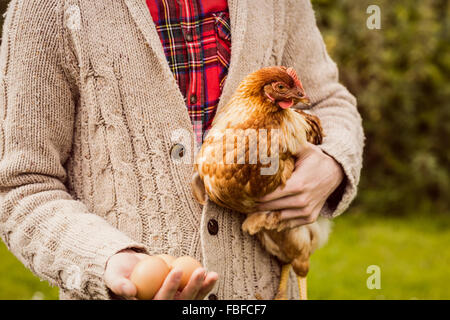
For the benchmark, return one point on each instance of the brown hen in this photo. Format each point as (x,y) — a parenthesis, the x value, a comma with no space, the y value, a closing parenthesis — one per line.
(251,150)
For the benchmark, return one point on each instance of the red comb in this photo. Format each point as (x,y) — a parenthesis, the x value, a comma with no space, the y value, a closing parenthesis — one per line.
(291,72)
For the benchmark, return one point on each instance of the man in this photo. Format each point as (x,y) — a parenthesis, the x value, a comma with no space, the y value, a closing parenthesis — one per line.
(92,94)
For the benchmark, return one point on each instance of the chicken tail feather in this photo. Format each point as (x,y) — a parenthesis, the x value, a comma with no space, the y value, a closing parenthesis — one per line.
(198,189)
(255,222)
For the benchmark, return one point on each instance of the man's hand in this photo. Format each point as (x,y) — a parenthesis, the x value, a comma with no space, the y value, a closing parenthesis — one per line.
(315,177)
(120,266)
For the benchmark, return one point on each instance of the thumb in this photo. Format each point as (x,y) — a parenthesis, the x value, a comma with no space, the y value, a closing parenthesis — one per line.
(116,280)
(121,286)
(128,289)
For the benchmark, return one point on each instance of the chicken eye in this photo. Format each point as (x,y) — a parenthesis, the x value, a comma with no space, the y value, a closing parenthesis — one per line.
(280,87)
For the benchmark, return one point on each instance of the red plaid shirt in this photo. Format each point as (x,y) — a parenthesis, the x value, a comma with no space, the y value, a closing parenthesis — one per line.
(196,38)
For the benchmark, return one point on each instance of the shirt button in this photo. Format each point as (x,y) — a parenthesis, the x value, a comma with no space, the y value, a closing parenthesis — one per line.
(188,36)
(193,99)
(213,227)
(212,296)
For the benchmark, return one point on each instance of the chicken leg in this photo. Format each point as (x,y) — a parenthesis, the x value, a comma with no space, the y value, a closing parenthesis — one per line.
(284,278)
(282,288)
(302,288)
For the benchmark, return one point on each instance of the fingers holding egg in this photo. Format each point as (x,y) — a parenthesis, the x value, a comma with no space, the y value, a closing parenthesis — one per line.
(170,287)
(149,275)
(194,285)
(188,265)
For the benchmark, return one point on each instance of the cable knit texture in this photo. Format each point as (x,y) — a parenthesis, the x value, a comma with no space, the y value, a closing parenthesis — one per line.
(90,112)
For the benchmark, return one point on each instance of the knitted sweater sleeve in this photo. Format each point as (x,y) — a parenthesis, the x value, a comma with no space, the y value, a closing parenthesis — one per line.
(52,234)
(332,103)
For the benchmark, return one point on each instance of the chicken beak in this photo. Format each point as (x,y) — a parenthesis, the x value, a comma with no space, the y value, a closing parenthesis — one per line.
(298,95)
(302,97)
(305,100)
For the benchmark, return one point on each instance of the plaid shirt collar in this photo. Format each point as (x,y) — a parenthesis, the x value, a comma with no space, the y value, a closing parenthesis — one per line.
(196,38)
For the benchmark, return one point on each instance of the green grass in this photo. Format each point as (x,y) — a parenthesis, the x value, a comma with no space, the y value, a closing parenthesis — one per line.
(412,253)
(18,283)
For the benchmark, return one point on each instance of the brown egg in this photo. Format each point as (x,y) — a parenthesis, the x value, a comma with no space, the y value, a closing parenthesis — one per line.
(168,259)
(188,265)
(148,276)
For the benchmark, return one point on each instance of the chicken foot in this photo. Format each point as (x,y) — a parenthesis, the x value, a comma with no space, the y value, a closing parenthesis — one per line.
(284,278)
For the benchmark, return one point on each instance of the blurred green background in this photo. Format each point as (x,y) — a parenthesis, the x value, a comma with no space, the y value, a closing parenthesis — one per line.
(401,77)
(401,218)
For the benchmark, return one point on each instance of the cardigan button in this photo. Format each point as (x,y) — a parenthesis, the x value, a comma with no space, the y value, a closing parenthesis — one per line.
(213,227)
(212,296)
(177,151)
(193,99)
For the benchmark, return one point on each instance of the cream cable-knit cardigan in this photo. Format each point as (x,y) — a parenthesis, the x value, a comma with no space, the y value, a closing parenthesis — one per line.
(90,112)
